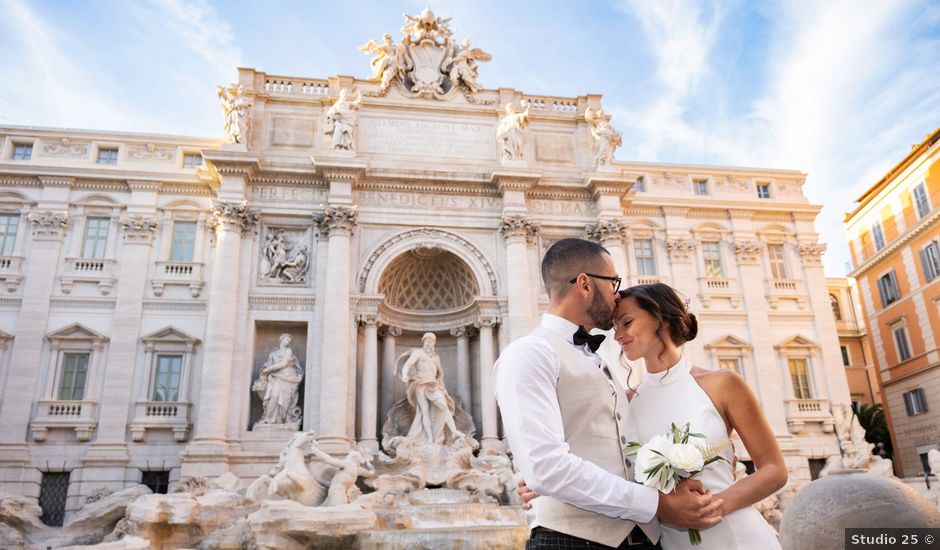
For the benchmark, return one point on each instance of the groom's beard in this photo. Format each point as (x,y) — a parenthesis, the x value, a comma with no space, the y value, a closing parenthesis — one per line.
(601,315)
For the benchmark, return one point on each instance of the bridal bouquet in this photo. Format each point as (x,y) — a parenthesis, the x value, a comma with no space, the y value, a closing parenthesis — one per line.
(667,459)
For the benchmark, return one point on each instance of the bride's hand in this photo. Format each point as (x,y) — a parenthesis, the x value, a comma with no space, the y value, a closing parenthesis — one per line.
(526,494)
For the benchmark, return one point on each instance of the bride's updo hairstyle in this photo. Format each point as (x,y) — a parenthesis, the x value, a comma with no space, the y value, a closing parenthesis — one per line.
(665,305)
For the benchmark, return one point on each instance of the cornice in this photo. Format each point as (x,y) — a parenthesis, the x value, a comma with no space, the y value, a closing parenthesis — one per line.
(143,185)
(20,181)
(707,214)
(233,163)
(420,186)
(514,181)
(274,178)
(925,224)
(57,181)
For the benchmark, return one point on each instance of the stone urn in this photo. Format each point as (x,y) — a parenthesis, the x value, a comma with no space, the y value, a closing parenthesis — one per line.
(819,514)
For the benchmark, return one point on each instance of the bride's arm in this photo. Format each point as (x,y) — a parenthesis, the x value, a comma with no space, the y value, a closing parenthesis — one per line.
(744,414)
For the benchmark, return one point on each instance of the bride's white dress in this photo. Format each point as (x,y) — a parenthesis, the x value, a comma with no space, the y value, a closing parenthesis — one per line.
(675,397)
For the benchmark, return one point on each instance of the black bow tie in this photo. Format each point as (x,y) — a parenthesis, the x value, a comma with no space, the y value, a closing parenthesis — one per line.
(582,337)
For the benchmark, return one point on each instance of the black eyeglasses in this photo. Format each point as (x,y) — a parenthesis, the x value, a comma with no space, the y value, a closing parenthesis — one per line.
(615,280)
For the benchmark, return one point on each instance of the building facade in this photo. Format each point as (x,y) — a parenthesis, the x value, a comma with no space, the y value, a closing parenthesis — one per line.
(854,346)
(894,234)
(148,277)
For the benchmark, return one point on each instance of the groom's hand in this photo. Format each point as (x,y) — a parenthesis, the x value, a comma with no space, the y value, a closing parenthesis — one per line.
(690,506)
(525,494)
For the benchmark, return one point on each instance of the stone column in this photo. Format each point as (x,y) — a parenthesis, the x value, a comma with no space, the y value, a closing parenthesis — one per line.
(48,229)
(463,335)
(516,230)
(230,220)
(110,448)
(368,414)
(490,437)
(611,235)
(388,367)
(338,222)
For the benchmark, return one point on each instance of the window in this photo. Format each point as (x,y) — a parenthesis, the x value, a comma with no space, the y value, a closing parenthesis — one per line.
(816,466)
(778,266)
(901,343)
(107,156)
(9,224)
(915,402)
(22,152)
(888,288)
(930,260)
(157,480)
(700,187)
(836,310)
(192,160)
(877,233)
(52,494)
(920,200)
(763,190)
(166,383)
(184,241)
(799,378)
(74,375)
(712,255)
(730,363)
(645,261)
(845,356)
(96,238)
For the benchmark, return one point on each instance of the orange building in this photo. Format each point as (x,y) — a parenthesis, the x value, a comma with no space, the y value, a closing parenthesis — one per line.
(894,235)
(857,357)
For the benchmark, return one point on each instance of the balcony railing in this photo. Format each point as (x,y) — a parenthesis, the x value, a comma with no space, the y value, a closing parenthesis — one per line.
(11,271)
(155,415)
(647,279)
(277,85)
(179,273)
(564,106)
(711,288)
(801,412)
(88,270)
(55,413)
(786,289)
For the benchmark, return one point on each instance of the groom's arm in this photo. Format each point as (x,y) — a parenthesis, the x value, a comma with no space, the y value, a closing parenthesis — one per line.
(526,378)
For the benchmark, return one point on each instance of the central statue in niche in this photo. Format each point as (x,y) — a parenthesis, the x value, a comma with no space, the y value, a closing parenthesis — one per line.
(425,432)
(434,408)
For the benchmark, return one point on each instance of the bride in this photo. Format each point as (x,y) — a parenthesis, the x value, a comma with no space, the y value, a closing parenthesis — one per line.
(652,323)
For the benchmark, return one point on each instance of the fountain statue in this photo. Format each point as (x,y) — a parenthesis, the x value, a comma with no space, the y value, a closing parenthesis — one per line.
(278,384)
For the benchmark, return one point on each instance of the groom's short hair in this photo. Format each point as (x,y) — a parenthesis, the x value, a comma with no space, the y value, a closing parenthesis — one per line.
(564,260)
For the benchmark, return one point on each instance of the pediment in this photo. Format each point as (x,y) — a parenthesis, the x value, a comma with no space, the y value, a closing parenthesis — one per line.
(170,334)
(728,341)
(77,332)
(797,341)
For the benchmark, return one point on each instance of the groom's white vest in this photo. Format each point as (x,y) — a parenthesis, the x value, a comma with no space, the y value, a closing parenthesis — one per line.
(597,426)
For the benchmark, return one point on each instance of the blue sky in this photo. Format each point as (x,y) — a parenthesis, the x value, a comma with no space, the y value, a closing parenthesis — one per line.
(837,89)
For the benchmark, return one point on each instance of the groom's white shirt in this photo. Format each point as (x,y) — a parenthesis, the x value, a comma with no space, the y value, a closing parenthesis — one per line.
(527,374)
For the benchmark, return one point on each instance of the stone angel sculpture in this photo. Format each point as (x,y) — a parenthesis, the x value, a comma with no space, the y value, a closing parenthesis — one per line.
(606,138)
(463,65)
(391,60)
(341,120)
(343,488)
(235,107)
(511,130)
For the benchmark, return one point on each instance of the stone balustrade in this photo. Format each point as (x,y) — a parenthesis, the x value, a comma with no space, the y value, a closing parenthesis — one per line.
(55,413)
(161,415)
(86,270)
(801,412)
(11,271)
(189,274)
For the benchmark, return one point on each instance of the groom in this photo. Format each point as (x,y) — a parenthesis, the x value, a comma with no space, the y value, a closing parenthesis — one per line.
(567,419)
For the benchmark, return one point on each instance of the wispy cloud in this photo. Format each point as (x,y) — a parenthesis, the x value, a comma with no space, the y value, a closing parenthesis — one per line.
(202,29)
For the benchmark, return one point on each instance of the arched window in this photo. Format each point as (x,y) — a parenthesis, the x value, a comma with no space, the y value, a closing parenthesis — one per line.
(836,311)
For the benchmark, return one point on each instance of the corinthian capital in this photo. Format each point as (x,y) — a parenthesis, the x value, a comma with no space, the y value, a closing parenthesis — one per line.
(518,225)
(747,252)
(606,230)
(338,220)
(138,228)
(228,215)
(811,254)
(679,249)
(48,225)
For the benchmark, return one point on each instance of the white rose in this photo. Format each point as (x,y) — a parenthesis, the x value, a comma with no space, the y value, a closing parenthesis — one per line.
(684,456)
(647,458)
